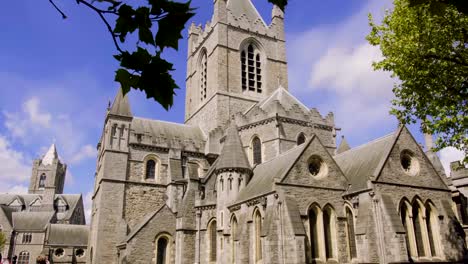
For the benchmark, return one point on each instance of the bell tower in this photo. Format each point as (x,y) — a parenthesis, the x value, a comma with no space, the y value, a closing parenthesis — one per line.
(48,174)
(234,61)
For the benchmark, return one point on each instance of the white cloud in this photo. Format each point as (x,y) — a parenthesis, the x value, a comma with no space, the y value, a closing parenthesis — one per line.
(85,152)
(88,205)
(14,171)
(448,155)
(331,66)
(34,122)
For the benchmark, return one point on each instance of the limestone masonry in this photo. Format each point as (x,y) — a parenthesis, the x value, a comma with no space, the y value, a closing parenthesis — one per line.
(253,175)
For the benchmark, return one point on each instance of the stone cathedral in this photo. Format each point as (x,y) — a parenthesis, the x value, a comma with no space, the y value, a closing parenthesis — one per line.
(255,176)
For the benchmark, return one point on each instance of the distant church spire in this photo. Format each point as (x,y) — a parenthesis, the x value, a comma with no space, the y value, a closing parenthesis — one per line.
(50,155)
(344,146)
(120,106)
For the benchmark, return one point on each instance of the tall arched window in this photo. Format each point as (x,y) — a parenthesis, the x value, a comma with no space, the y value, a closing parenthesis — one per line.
(42,180)
(251,68)
(203,75)
(433,229)
(301,139)
(314,229)
(150,169)
(23,258)
(405,215)
(350,233)
(256,150)
(162,254)
(258,235)
(233,242)
(328,230)
(212,240)
(418,226)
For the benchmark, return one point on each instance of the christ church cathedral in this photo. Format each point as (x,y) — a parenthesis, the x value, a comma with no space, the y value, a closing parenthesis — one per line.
(255,176)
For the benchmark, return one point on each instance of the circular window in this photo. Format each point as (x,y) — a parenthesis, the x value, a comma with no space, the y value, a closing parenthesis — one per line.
(317,167)
(79,253)
(59,252)
(409,163)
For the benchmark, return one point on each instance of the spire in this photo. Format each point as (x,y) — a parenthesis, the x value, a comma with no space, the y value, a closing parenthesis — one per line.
(120,107)
(50,155)
(344,146)
(244,7)
(232,155)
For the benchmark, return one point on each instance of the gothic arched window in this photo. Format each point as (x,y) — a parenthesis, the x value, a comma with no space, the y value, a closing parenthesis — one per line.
(150,169)
(163,249)
(233,242)
(42,180)
(251,68)
(301,139)
(350,233)
(203,75)
(256,151)
(212,240)
(258,235)
(418,228)
(23,257)
(433,229)
(328,230)
(314,228)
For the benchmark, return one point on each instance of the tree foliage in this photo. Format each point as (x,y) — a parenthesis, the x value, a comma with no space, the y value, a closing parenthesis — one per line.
(157,25)
(2,240)
(427,52)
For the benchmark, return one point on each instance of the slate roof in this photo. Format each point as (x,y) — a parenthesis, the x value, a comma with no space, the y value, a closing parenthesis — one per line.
(72,201)
(284,98)
(168,130)
(70,235)
(266,173)
(8,212)
(31,220)
(360,163)
(232,155)
(244,7)
(120,106)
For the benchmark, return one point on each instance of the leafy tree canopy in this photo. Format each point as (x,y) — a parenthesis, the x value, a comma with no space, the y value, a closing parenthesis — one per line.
(426,50)
(158,25)
(2,240)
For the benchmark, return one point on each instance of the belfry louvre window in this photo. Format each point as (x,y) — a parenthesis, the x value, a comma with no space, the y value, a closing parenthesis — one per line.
(251,68)
(256,151)
(27,238)
(150,169)
(42,180)
(203,75)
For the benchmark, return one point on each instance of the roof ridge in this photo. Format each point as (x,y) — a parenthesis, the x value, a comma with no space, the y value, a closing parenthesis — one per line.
(366,144)
(164,121)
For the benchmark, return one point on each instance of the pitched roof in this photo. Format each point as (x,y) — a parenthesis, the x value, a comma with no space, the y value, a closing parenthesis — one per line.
(244,7)
(232,155)
(31,220)
(50,155)
(360,163)
(167,130)
(120,106)
(266,173)
(69,235)
(284,98)
(8,212)
(344,146)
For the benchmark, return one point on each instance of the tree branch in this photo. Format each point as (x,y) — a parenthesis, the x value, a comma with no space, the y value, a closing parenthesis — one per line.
(58,9)
(101,13)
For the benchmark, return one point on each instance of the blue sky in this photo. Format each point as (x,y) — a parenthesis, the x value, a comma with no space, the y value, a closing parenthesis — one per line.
(56,78)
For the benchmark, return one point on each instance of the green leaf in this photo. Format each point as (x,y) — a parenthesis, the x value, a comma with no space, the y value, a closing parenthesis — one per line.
(170,26)
(124,78)
(280,3)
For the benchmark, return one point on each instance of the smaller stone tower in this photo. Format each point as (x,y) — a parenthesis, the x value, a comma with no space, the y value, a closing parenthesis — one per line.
(233,173)
(48,174)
